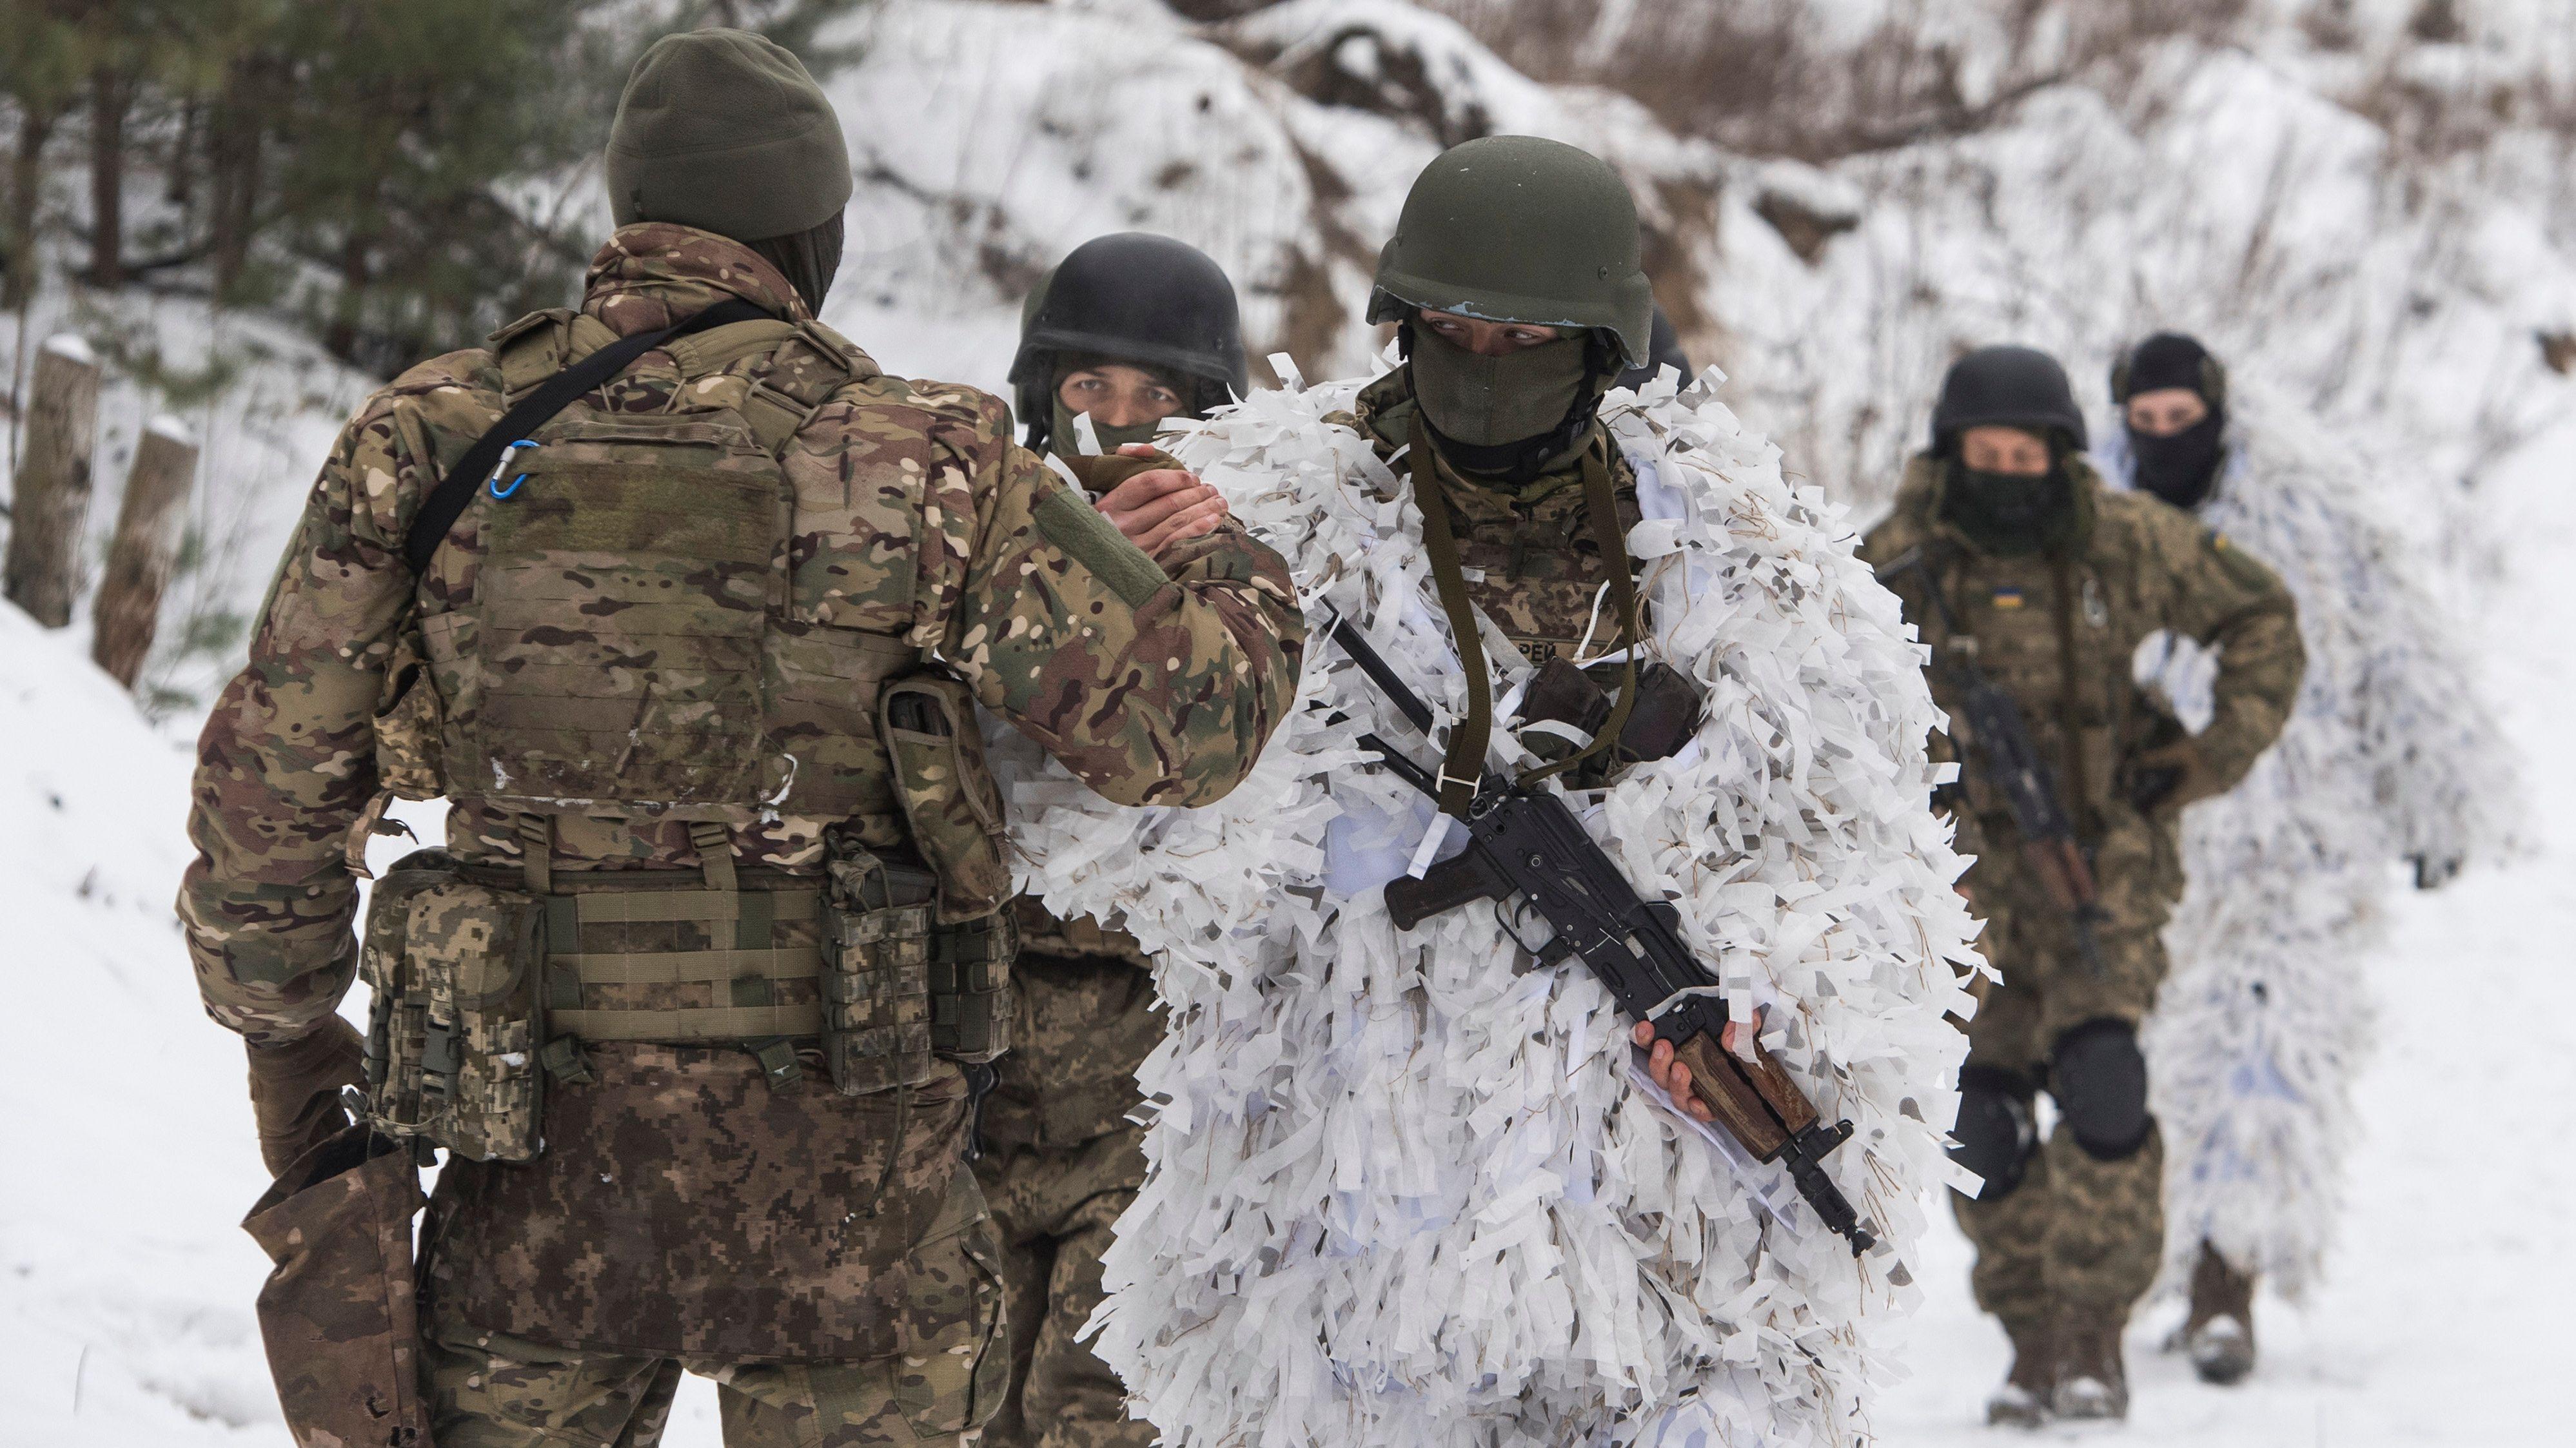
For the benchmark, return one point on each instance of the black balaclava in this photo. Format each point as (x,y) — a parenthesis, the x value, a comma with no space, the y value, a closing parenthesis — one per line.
(809,259)
(2011,515)
(2181,469)
(1511,417)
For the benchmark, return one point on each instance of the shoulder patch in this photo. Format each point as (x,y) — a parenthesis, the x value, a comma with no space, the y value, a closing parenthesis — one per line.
(1093,541)
(2239,565)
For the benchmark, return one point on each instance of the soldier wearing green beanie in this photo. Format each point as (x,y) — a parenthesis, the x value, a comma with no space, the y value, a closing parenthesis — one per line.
(724,131)
(689,612)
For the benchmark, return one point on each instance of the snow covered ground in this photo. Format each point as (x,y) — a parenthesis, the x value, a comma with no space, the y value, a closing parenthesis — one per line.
(126,1156)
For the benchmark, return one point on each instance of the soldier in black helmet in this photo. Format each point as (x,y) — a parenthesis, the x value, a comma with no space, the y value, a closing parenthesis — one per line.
(1128,330)
(2053,580)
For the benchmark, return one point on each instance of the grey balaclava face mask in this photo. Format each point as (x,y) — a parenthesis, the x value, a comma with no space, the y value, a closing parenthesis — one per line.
(1065,435)
(809,259)
(1489,401)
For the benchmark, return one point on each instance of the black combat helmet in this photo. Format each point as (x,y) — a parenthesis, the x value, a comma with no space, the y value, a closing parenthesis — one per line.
(1131,297)
(2010,387)
(1665,351)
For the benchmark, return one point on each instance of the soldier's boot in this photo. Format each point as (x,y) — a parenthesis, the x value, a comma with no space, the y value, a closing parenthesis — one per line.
(2022,1401)
(2219,1334)
(2092,1380)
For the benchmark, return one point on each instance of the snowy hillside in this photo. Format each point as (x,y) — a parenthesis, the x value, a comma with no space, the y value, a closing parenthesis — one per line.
(262,402)
(2382,226)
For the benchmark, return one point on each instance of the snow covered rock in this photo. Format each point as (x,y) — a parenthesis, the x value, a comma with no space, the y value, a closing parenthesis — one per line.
(1403,1192)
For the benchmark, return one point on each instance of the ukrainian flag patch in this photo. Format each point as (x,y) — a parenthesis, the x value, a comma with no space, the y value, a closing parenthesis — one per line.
(2008,598)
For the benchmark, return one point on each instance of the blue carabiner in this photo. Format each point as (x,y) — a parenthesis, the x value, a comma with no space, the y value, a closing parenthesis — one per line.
(503,466)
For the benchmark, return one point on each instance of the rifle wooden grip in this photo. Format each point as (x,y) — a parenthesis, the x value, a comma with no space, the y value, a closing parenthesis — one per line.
(1721,1080)
(2062,873)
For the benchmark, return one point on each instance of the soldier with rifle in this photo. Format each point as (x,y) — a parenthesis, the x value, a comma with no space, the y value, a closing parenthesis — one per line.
(1615,734)
(2034,586)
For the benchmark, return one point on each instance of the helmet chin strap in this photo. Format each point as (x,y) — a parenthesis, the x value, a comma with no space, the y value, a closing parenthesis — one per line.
(1521,459)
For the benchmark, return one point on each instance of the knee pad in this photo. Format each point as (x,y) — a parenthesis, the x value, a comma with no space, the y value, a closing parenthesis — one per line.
(2101,1088)
(1996,1131)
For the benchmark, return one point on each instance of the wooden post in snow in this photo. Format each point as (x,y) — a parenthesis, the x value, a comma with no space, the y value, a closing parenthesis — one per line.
(146,547)
(51,504)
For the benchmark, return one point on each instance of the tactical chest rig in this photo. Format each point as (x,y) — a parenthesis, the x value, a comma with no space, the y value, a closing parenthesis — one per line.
(624,641)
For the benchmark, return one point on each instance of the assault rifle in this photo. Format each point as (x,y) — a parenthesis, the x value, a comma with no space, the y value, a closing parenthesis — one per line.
(2000,740)
(1528,844)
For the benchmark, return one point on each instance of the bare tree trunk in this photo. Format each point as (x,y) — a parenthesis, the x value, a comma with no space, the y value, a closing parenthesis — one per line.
(342,336)
(179,187)
(236,138)
(146,547)
(42,574)
(26,186)
(111,95)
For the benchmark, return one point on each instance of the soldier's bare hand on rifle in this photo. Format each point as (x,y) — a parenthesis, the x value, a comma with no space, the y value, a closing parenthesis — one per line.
(1161,507)
(1675,1077)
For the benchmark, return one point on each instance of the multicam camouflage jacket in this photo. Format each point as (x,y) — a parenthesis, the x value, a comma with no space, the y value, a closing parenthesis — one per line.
(1155,686)
(2058,633)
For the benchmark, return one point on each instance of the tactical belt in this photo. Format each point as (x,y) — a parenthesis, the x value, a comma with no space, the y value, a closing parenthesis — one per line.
(749,967)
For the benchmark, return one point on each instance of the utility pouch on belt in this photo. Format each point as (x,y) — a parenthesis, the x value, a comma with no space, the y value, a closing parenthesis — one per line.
(927,721)
(878,924)
(456,1025)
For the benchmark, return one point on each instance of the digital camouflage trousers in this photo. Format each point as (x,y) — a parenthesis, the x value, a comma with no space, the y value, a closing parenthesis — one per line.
(2078,1231)
(1054,1207)
(491,1390)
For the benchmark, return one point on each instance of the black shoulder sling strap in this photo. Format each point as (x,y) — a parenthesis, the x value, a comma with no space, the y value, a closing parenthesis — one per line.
(446,502)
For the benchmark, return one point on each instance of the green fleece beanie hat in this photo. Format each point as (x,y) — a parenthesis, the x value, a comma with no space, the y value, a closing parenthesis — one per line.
(725,131)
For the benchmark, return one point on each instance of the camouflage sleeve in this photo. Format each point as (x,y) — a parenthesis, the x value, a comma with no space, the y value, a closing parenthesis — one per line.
(2224,598)
(286,764)
(1155,682)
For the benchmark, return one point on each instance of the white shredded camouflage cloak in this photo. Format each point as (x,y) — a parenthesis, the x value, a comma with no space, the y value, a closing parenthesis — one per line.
(1403,1193)
(2390,755)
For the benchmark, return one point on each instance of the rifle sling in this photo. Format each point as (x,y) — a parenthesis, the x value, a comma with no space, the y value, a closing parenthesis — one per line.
(2069,705)
(1601,500)
(1464,764)
(1463,767)
(446,502)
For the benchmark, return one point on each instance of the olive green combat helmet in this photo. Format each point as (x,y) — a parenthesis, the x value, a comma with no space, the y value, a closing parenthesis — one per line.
(1520,229)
